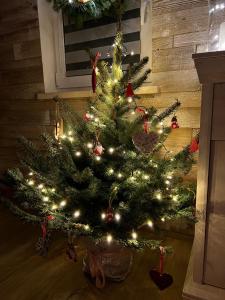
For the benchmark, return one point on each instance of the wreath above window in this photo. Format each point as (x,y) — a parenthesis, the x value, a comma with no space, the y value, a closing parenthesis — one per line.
(84,8)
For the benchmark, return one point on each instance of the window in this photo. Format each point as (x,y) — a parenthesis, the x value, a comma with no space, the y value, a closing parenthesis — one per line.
(64,46)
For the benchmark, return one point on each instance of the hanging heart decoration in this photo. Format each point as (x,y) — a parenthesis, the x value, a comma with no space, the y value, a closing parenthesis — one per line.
(145,142)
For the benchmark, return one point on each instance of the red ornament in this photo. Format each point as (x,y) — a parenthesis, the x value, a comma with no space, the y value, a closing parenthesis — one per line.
(94,66)
(109,215)
(129,91)
(87,117)
(98,150)
(174,123)
(194,146)
(50,218)
(162,280)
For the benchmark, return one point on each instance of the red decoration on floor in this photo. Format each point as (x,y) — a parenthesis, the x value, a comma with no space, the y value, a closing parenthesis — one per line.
(194,146)
(162,280)
(98,150)
(129,91)
(174,123)
(94,66)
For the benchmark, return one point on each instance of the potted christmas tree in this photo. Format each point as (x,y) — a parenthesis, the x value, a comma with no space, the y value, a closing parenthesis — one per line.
(107,175)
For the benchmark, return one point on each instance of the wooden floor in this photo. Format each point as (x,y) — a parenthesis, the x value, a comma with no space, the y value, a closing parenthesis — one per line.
(26,276)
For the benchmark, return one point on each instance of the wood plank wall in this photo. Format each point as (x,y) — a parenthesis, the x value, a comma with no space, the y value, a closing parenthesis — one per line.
(179,29)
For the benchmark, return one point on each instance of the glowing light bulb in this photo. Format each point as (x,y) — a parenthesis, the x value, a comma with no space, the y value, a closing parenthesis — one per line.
(146,177)
(175,198)
(133,112)
(98,158)
(161,123)
(167,182)
(70,132)
(115,80)
(117,217)
(163,219)
(78,153)
(63,203)
(103,216)
(87,227)
(96,119)
(46,199)
(53,190)
(90,145)
(132,178)
(63,136)
(40,186)
(31,182)
(169,177)
(31,174)
(76,214)
(70,1)
(217,6)
(109,238)
(134,235)
(71,139)
(132,53)
(111,171)
(111,150)
(119,175)
(150,223)
(129,99)
(160,131)
(159,196)
(172,159)
(222,6)
(44,190)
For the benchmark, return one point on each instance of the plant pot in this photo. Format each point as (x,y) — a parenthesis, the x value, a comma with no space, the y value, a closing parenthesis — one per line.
(107,261)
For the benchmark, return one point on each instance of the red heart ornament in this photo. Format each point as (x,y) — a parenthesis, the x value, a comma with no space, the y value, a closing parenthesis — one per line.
(162,280)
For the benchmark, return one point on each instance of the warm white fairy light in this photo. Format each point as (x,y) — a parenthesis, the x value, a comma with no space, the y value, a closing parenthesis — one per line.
(169,177)
(109,238)
(43,190)
(63,136)
(71,139)
(172,159)
(159,196)
(90,145)
(70,132)
(175,198)
(103,216)
(117,217)
(146,177)
(111,150)
(132,178)
(161,123)
(54,206)
(119,175)
(111,171)
(87,227)
(53,190)
(133,112)
(96,119)
(150,223)
(167,182)
(163,219)
(76,214)
(40,186)
(46,199)
(62,203)
(132,53)
(70,1)
(78,153)
(98,158)
(115,80)
(129,99)
(31,182)
(160,131)
(31,174)
(134,235)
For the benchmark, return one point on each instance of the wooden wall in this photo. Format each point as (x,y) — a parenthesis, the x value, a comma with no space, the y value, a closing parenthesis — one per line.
(179,29)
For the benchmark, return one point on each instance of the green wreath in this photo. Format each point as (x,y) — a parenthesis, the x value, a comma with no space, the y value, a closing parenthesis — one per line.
(84,8)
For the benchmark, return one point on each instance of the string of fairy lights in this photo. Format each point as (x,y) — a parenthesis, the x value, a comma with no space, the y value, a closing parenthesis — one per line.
(48,192)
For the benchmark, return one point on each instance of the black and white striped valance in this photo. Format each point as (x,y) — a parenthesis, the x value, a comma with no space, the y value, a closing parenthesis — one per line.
(98,35)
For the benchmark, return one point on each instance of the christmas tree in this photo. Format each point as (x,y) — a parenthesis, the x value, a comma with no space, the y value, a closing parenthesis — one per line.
(109,173)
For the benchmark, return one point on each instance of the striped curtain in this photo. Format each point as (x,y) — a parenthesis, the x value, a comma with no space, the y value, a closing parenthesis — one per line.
(98,35)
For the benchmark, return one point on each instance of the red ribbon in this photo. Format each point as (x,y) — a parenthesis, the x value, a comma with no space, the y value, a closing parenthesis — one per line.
(94,66)
(161,260)
(96,270)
